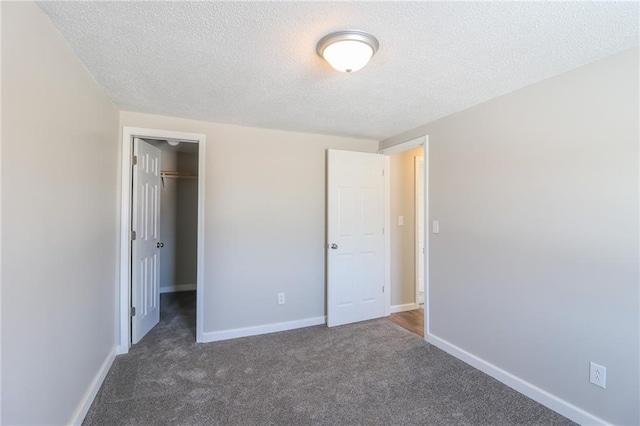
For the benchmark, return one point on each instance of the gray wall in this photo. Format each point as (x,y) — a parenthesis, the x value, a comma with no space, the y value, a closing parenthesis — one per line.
(187,221)
(403,238)
(264,221)
(59,166)
(168,217)
(535,269)
(179,223)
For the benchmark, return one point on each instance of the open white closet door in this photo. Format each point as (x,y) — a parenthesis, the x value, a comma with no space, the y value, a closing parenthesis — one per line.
(145,262)
(355,237)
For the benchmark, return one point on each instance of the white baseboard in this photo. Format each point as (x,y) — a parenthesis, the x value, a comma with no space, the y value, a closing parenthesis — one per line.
(176,288)
(92,391)
(215,336)
(545,398)
(401,308)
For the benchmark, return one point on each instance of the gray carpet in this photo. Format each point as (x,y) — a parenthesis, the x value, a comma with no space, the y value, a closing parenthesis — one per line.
(370,373)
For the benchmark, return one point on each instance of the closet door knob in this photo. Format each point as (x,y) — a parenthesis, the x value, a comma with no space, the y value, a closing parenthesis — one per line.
(334,246)
(160,245)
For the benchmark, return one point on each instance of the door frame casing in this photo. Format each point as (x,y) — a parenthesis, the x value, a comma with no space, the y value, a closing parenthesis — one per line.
(416,180)
(396,149)
(123,322)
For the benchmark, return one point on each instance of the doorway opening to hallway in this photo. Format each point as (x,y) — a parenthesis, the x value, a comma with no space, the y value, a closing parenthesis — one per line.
(407,238)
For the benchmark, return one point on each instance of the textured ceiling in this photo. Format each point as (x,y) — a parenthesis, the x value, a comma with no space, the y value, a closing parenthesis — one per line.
(254,63)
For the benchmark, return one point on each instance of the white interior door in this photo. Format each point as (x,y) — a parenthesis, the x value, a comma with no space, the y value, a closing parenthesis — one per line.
(355,232)
(419,185)
(145,262)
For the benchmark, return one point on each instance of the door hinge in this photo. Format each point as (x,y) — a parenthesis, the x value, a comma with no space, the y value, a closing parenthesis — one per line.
(133,311)
(383,289)
(134,160)
(382,172)
(133,235)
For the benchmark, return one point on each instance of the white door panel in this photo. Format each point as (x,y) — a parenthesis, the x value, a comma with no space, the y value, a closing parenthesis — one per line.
(355,205)
(145,268)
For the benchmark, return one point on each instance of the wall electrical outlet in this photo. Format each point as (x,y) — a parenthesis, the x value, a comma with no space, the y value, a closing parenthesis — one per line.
(598,375)
(281,299)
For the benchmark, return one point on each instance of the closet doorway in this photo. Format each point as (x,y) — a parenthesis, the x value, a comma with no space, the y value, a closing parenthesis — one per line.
(178,230)
(162,229)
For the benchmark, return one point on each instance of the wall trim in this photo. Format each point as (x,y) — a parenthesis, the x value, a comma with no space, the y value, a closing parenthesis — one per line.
(404,146)
(387,235)
(85,403)
(545,398)
(215,336)
(121,350)
(416,196)
(177,288)
(405,307)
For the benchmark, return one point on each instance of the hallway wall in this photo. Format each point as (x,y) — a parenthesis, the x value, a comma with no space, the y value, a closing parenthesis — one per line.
(403,262)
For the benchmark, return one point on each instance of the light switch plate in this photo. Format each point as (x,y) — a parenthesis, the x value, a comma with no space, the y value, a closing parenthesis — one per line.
(435,227)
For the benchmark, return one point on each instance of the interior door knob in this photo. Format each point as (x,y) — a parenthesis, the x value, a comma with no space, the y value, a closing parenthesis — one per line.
(160,245)
(334,246)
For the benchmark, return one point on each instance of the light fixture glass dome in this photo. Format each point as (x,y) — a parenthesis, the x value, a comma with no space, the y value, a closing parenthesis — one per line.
(347,51)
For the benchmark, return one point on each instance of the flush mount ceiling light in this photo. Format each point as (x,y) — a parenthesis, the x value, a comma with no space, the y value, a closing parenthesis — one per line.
(347,51)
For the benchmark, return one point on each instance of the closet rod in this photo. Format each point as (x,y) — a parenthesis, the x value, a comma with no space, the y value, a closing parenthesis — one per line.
(177,175)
